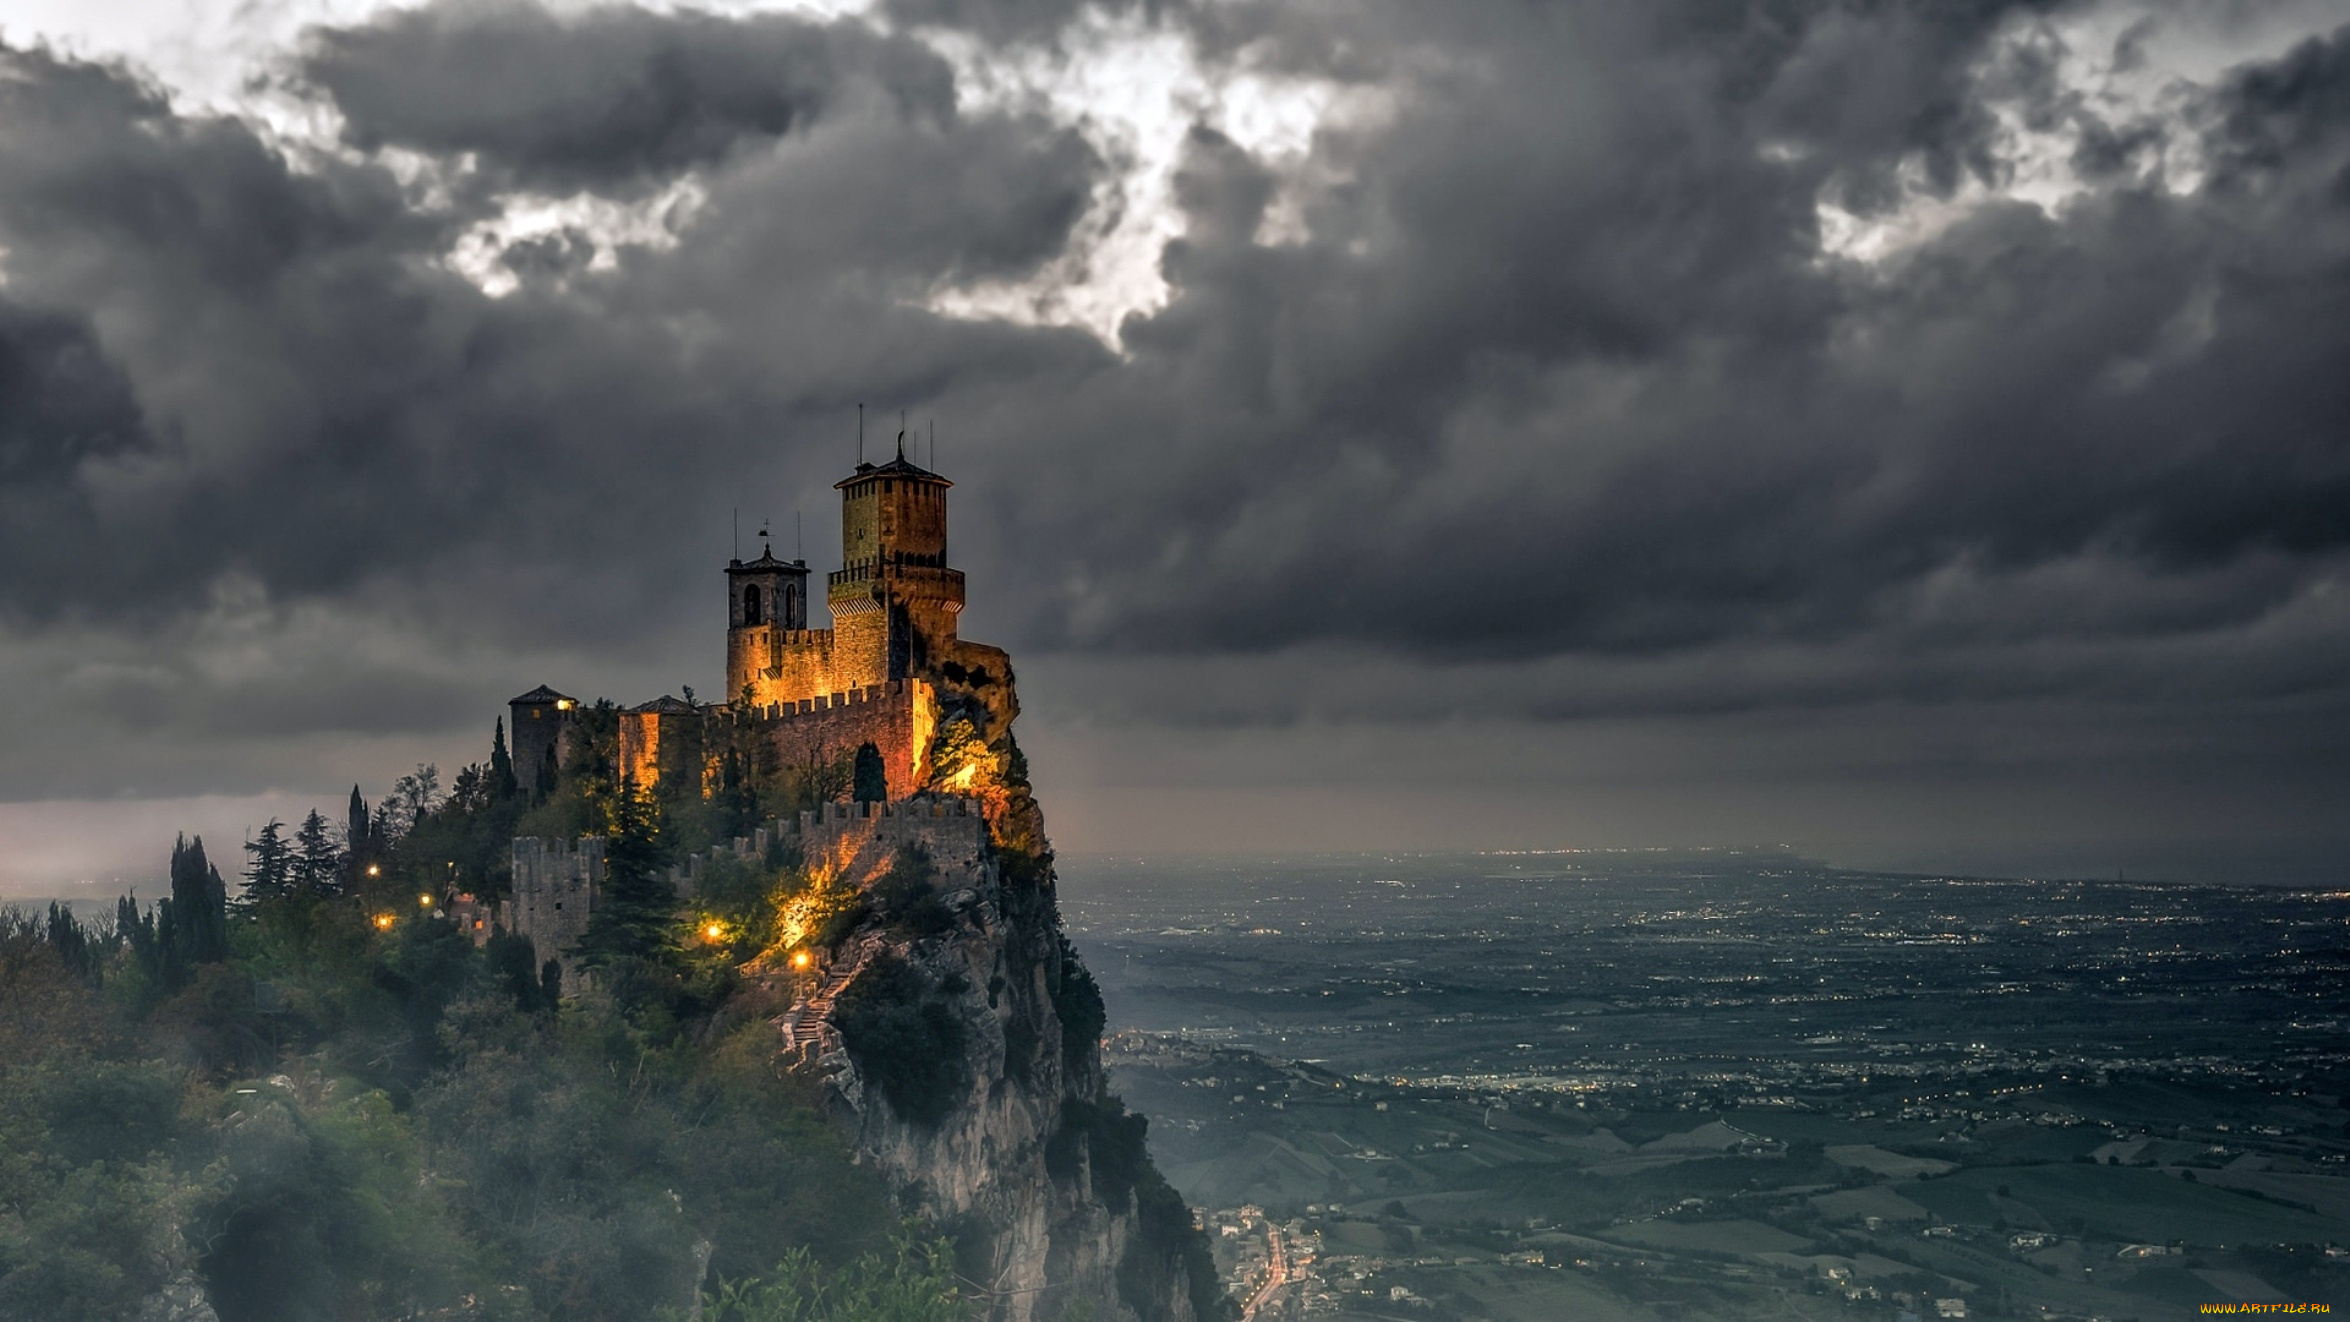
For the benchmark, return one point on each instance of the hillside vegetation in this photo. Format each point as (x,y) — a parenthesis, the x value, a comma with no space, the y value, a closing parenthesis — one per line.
(310,1096)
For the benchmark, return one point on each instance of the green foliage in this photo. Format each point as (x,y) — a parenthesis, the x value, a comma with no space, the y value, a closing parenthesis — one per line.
(1077,1002)
(872,780)
(336,1121)
(315,867)
(908,896)
(906,1040)
(269,866)
(632,939)
(197,914)
(1166,1252)
(913,1282)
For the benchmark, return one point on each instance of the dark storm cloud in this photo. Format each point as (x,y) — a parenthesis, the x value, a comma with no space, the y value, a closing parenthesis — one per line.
(341,409)
(610,98)
(1563,369)
(1533,393)
(62,405)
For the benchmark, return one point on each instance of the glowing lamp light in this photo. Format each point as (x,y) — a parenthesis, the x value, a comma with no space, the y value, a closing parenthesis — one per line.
(799,959)
(424,901)
(714,931)
(564,704)
(375,870)
(384,921)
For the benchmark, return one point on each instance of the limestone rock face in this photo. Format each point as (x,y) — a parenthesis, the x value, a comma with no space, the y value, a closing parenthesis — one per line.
(1003,1143)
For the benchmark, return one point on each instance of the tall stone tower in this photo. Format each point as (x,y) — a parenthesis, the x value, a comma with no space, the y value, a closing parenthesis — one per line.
(893,599)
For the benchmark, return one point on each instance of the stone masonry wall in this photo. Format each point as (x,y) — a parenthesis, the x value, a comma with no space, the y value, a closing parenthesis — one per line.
(555,885)
(857,841)
(899,718)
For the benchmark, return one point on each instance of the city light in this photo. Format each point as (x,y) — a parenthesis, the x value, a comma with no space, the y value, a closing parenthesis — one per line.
(384,921)
(799,959)
(375,870)
(424,901)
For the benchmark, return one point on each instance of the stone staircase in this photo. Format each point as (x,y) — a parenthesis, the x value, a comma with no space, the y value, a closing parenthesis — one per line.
(805,1024)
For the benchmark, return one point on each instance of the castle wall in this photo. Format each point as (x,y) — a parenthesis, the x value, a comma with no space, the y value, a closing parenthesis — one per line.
(659,746)
(555,885)
(791,665)
(857,841)
(900,718)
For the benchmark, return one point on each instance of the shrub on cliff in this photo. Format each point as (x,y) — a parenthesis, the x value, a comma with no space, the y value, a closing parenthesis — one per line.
(911,1283)
(909,898)
(907,1041)
(1077,1002)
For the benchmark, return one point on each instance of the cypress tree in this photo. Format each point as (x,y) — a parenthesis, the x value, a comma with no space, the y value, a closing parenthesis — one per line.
(872,782)
(199,904)
(502,782)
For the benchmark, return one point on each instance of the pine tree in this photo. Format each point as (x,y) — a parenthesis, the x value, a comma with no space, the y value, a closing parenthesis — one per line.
(269,866)
(502,782)
(317,866)
(631,930)
(872,783)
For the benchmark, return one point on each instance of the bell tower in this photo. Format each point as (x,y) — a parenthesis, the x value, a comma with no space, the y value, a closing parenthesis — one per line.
(767,602)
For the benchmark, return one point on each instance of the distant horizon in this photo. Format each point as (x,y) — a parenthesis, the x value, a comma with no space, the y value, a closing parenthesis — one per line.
(2306,872)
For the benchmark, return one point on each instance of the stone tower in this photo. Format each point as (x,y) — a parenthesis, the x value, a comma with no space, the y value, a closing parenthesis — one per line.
(767,603)
(539,720)
(893,599)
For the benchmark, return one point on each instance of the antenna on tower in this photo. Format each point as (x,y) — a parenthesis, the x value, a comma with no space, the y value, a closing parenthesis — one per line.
(738,532)
(799,553)
(934,445)
(860,435)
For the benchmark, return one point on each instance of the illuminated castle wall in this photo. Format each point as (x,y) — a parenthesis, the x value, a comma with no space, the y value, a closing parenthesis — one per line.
(888,671)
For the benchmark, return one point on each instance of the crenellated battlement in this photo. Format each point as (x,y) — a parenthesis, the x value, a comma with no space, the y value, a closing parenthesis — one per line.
(822,702)
(556,882)
(857,841)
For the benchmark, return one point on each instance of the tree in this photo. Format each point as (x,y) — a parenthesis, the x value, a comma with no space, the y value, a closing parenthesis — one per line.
(317,865)
(359,842)
(632,931)
(872,783)
(199,904)
(414,795)
(269,865)
(502,784)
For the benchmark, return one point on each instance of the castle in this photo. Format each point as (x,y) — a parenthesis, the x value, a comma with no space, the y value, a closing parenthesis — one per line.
(887,672)
(890,675)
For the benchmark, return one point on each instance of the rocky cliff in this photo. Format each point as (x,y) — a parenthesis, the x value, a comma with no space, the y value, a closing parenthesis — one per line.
(957,1036)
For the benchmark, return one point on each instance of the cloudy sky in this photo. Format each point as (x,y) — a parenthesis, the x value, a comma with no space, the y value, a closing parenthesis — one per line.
(1915,433)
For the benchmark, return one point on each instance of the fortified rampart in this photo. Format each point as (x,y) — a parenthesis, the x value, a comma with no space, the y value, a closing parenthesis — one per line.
(556,882)
(857,841)
(898,718)
(555,887)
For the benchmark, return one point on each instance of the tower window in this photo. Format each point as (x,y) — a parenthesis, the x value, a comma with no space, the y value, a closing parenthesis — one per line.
(751,603)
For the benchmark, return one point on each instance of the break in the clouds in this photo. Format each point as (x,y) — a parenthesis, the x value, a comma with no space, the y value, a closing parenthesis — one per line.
(1303,368)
